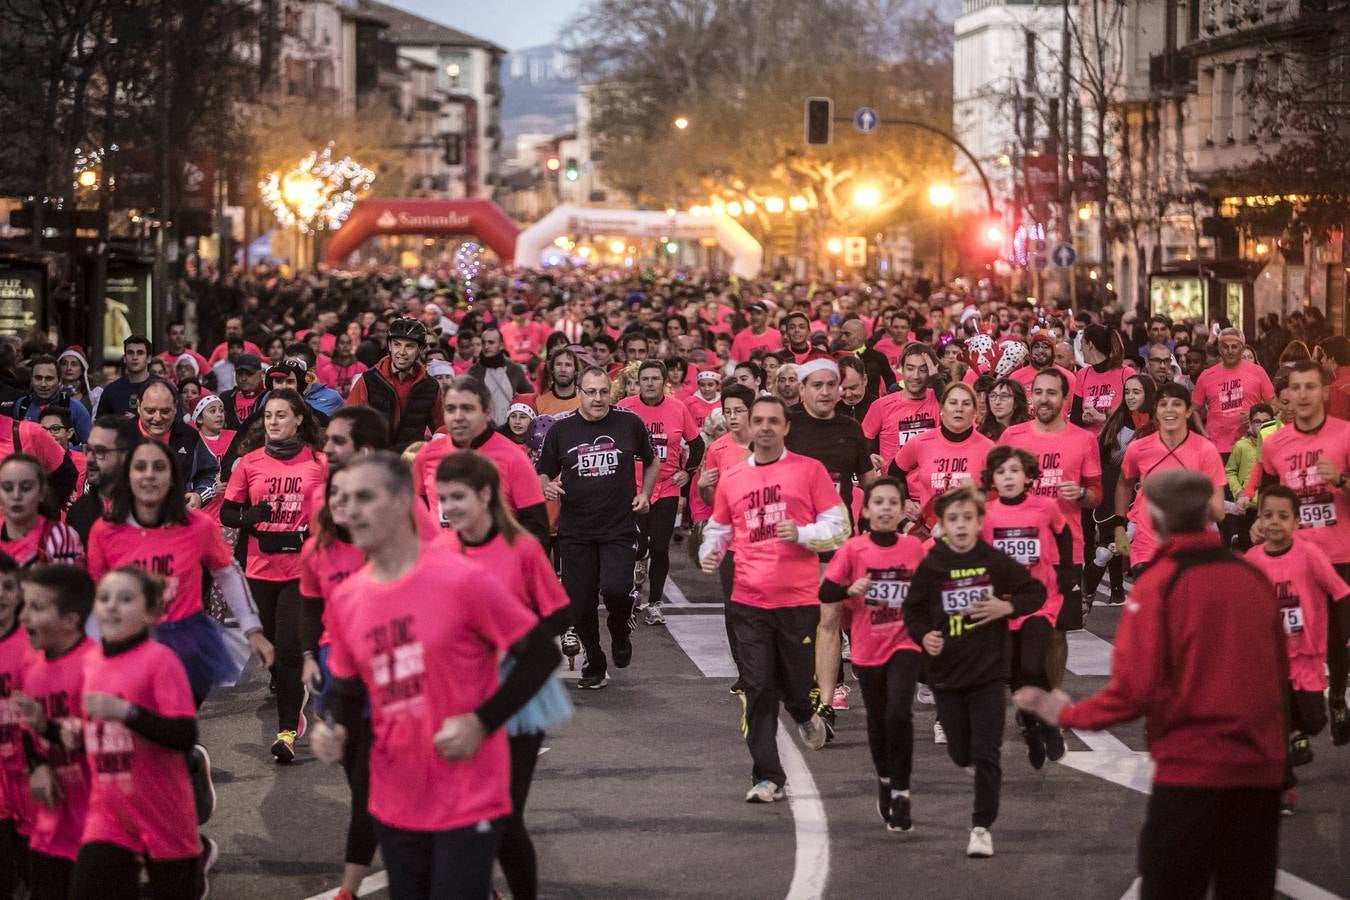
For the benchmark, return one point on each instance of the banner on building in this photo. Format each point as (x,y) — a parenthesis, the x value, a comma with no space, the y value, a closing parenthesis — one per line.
(1089,175)
(1041,174)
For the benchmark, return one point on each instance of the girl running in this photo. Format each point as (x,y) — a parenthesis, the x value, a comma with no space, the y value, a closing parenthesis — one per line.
(483,529)
(1132,419)
(866,582)
(140,722)
(31,530)
(273,492)
(326,561)
(935,461)
(956,607)
(16,654)
(1032,530)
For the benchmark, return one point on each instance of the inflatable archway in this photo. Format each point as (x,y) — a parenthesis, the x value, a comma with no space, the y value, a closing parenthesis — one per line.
(746,254)
(481,218)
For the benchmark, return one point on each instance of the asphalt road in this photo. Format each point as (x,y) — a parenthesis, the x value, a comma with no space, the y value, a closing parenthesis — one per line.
(641,797)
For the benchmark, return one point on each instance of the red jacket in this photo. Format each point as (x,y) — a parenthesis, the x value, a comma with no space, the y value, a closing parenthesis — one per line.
(1338,397)
(1205,664)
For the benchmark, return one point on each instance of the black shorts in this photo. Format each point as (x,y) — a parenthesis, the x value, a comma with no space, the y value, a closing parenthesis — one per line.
(1071,588)
(1307,711)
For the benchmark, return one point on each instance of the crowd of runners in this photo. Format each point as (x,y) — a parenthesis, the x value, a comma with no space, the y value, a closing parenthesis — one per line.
(409,509)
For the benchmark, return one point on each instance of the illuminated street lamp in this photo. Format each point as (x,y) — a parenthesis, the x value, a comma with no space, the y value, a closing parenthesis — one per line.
(866,197)
(835,246)
(318,193)
(681,123)
(88,178)
(773,205)
(798,203)
(733,209)
(941,195)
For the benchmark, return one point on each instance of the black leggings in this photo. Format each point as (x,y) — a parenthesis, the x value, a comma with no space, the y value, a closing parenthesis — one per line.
(13,858)
(973,721)
(109,872)
(888,693)
(515,850)
(655,530)
(1028,654)
(361,837)
(279,608)
(49,877)
(1338,655)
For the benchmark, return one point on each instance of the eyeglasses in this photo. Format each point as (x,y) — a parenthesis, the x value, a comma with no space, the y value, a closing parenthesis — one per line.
(95,452)
(53,429)
(594,392)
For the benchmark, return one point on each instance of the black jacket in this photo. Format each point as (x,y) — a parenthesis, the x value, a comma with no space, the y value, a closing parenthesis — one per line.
(972,655)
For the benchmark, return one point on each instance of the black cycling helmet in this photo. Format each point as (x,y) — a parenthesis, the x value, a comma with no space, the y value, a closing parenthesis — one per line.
(408,329)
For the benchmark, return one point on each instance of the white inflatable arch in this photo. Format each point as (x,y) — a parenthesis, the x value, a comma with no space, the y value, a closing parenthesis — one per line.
(746,254)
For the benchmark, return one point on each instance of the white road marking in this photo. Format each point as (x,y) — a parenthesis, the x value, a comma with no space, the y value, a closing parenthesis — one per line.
(377,881)
(811,870)
(1285,884)
(703,639)
(1088,654)
(674,594)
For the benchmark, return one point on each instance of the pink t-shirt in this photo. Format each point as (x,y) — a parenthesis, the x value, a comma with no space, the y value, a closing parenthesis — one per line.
(1026,532)
(16,655)
(523,567)
(895,419)
(520,483)
(747,342)
(33,441)
(671,425)
(288,486)
(1102,391)
(721,454)
(523,342)
(58,686)
(876,630)
(177,553)
(1305,584)
(345,376)
(1324,510)
(141,798)
(700,409)
(1228,393)
(1148,455)
(752,499)
(223,350)
(427,646)
(1070,455)
(936,465)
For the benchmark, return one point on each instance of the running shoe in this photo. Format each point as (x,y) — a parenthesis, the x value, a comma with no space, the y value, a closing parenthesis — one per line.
(884,800)
(737,688)
(283,748)
(1300,750)
(640,573)
(592,682)
(764,792)
(1054,743)
(343,894)
(571,644)
(924,694)
(840,698)
(813,732)
(1340,726)
(981,844)
(1031,733)
(1288,802)
(203,790)
(302,723)
(210,853)
(623,650)
(899,819)
(1117,598)
(654,616)
(827,716)
(939,735)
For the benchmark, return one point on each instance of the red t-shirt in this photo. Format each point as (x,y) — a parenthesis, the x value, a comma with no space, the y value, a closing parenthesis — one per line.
(520,483)
(721,454)
(223,350)
(1026,532)
(286,485)
(772,573)
(671,425)
(1070,455)
(1324,509)
(58,686)
(177,553)
(33,441)
(322,571)
(895,419)
(876,630)
(522,566)
(1305,585)
(747,342)
(1228,393)
(141,797)
(523,342)
(345,376)
(1102,391)
(1148,455)
(427,647)
(935,464)
(16,655)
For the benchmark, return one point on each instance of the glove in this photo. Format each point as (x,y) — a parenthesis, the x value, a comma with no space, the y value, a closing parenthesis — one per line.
(1122,542)
(258,512)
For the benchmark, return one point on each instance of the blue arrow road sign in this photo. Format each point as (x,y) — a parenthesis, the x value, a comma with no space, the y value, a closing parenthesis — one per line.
(1064,256)
(866,120)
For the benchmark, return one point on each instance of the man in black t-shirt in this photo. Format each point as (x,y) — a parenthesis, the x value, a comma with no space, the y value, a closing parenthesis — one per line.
(819,431)
(588,462)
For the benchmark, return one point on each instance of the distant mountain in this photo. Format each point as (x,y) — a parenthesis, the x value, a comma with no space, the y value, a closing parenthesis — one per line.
(539,93)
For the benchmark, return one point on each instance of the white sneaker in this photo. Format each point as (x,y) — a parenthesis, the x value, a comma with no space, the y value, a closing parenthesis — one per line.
(764,792)
(840,698)
(939,736)
(654,616)
(981,844)
(924,694)
(813,732)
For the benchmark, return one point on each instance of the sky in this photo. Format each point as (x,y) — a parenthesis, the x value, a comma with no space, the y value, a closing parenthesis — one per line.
(513,24)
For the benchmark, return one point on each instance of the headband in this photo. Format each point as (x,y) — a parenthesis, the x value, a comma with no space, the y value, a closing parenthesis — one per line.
(203,403)
(521,408)
(820,364)
(708,375)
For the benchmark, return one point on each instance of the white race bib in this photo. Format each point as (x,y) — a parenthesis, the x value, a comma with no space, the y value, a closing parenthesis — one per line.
(887,593)
(1316,511)
(1292,619)
(959,601)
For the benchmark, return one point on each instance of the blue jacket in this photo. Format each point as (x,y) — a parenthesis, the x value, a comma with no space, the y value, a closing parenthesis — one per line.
(323,398)
(30,408)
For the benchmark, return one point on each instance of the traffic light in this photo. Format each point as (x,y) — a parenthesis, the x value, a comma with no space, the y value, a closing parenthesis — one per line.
(982,240)
(553,164)
(453,149)
(572,171)
(819,121)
